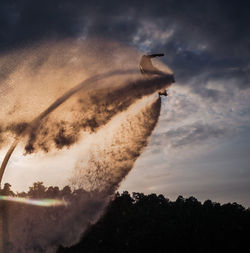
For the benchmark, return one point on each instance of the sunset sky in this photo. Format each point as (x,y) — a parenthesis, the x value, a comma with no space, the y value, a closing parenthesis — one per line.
(201,145)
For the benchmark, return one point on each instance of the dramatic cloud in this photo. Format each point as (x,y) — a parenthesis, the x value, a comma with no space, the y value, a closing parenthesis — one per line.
(209,37)
(206,44)
(191,119)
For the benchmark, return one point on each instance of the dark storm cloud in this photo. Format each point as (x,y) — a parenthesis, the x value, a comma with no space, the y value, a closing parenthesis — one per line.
(208,37)
(25,21)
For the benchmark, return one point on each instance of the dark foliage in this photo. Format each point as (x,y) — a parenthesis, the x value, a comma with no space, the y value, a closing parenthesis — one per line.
(38,190)
(144,223)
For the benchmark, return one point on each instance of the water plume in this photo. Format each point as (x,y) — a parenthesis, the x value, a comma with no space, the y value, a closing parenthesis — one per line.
(115,102)
(109,160)
(94,93)
(93,102)
(112,153)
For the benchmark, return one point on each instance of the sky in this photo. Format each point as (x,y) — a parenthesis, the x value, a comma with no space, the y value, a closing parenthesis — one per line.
(201,144)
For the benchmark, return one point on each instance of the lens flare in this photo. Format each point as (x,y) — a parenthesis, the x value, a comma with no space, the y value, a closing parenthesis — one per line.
(36,202)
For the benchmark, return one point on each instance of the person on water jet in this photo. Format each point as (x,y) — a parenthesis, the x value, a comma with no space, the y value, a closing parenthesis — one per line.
(148,69)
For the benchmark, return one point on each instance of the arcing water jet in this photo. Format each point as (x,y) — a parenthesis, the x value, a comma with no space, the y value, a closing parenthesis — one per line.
(127,95)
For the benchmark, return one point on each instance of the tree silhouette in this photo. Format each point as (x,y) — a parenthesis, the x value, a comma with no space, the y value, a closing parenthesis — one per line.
(144,223)
(7,190)
(38,190)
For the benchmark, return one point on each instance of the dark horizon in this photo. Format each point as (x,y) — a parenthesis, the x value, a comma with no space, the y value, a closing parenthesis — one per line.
(144,216)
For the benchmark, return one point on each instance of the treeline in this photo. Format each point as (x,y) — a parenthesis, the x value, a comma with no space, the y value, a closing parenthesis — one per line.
(143,223)
(38,190)
(151,223)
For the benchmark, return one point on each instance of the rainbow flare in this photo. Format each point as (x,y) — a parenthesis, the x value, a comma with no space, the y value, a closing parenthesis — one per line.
(36,202)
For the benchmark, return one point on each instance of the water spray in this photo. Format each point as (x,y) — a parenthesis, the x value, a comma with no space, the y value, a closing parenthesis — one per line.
(115,161)
(145,85)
